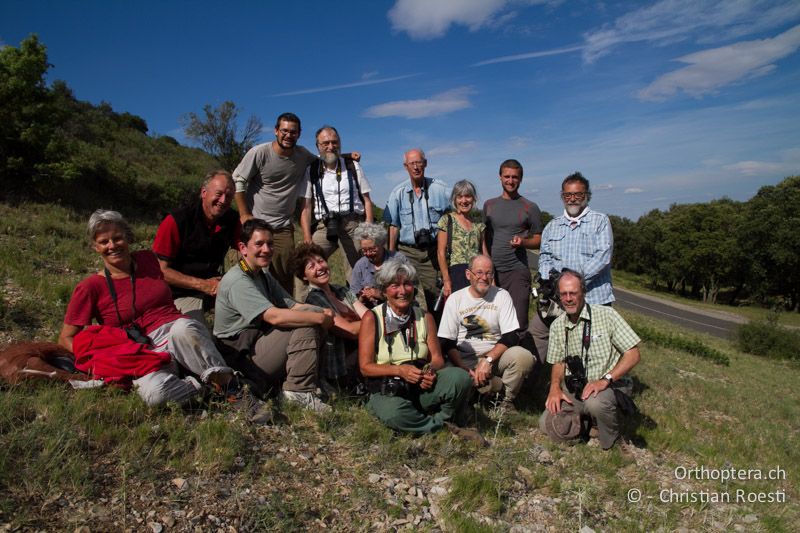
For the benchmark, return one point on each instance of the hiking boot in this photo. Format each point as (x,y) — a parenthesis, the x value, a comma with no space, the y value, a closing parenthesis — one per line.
(493,386)
(470,434)
(255,411)
(306,400)
(507,406)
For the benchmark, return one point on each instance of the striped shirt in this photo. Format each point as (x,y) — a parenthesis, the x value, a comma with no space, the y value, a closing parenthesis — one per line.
(585,248)
(611,337)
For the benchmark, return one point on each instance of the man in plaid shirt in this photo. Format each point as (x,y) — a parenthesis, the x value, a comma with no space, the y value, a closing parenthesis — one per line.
(579,239)
(607,348)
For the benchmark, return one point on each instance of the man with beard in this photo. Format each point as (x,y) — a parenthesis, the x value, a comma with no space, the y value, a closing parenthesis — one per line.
(262,331)
(191,244)
(478,332)
(412,212)
(513,226)
(592,352)
(338,195)
(269,181)
(581,240)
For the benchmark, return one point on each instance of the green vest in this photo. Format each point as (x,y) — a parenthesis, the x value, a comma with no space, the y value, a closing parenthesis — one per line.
(400,353)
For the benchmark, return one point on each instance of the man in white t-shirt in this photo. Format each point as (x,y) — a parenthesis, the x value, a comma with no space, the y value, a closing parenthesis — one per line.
(337,199)
(478,332)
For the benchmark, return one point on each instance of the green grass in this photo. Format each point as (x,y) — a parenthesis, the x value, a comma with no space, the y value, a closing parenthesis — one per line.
(64,451)
(640,283)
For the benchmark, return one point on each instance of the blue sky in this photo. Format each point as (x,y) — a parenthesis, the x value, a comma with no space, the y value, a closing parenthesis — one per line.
(672,101)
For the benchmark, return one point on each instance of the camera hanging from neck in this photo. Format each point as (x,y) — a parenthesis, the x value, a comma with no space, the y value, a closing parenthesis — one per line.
(411,199)
(586,339)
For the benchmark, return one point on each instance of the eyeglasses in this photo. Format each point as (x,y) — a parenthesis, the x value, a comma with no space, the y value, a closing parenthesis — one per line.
(287,133)
(416,164)
(481,274)
(576,195)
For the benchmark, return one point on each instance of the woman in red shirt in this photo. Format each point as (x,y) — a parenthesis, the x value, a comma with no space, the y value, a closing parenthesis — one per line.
(130,294)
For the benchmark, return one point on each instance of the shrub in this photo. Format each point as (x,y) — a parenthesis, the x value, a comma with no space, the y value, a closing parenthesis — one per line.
(768,339)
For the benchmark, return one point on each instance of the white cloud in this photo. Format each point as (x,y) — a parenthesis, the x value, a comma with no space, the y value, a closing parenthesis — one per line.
(754,168)
(428,19)
(453,148)
(602,187)
(710,69)
(669,21)
(439,104)
(633,190)
(528,55)
(365,81)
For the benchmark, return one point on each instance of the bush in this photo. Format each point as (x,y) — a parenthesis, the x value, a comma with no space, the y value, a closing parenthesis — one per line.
(768,339)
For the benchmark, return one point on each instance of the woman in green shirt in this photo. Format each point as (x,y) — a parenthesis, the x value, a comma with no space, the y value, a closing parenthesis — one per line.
(459,238)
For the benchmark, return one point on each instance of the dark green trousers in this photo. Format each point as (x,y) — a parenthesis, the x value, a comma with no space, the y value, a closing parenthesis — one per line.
(425,411)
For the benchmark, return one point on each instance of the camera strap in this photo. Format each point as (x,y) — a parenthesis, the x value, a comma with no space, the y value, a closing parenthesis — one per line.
(113,292)
(586,339)
(412,199)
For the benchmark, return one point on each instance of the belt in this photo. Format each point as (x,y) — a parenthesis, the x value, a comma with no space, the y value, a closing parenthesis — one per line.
(423,248)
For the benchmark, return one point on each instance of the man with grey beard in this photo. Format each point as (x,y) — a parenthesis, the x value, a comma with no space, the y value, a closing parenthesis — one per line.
(337,199)
(581,240)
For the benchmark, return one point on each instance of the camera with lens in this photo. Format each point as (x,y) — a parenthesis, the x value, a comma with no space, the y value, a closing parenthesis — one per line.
(576,380)
(394,386)
(332,227)
(424,238)
(135,333)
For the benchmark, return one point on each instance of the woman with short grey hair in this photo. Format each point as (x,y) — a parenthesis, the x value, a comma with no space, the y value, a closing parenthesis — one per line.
(459,238)
(411,389)
(140,339)
(372,239)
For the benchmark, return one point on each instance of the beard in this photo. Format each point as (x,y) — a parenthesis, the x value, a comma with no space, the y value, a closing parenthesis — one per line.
(575,210)
(329,157)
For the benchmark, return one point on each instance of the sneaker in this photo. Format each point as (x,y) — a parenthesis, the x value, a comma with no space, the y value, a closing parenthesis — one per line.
(256,411)
(470,434)
(306,400)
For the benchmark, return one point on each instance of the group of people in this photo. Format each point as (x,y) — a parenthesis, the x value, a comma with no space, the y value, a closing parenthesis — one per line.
(436,309)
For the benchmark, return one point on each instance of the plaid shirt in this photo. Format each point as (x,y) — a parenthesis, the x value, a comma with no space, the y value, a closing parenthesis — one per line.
(586,248)
(611,337)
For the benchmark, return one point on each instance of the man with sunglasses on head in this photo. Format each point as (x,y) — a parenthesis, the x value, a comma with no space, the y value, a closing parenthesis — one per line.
(478,333)
(581,240)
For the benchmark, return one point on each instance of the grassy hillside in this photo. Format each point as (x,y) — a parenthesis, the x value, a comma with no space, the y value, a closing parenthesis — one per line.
(104,460)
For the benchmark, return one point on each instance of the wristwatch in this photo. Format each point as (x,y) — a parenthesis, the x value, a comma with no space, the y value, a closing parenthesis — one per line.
(609,378)
(489,359)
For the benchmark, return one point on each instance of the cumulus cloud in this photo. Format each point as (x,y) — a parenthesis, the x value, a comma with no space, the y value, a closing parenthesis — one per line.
(710,69)
(426,19)
(439,104)
(753,168)
(668,21)
(633,190)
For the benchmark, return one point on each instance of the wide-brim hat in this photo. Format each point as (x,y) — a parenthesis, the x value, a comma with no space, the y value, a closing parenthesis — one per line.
(563,426)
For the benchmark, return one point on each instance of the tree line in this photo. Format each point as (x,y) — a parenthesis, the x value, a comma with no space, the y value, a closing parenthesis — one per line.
(739,250)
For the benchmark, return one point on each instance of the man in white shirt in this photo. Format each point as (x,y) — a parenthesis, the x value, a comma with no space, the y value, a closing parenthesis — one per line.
(478,332)
(337,199)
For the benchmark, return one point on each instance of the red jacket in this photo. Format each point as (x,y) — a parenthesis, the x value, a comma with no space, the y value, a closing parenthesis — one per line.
(106,352)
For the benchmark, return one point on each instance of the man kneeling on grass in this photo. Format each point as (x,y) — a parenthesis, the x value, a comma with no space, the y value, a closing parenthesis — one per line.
(592,349)
(261,330)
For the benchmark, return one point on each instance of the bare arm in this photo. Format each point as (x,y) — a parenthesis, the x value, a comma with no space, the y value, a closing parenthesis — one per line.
(179,279)
(628,360)
(394,233)
(305,219)
(441,253)
(532,243)
(291,318)
(67,335)
(241,206)
(368,207)
(556,395)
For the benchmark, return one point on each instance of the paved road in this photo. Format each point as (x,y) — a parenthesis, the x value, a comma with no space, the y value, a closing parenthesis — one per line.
(650,306)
